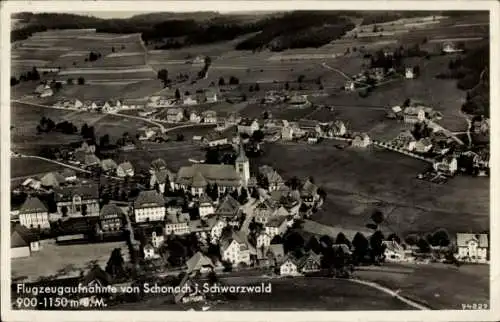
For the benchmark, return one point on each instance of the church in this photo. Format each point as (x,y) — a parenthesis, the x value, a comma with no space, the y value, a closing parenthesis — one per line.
(197,177)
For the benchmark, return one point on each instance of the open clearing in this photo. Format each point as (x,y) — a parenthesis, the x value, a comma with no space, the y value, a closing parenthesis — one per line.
(450,288)
(20,167)
(63,260)
(359,181)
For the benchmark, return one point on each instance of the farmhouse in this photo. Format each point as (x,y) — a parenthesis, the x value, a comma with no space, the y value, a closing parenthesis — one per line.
(409,73)
(298,101)
(216,225)
(34,214)
(272,178)
(149,206)
(47,91)
(361,140)
(263,240)
(446,165)
(473,247)
(78,201)
(164,179)
(413,114)
(331,129)
(175,115)
(23,242)
(310,262)
(228,207)
(215,139)
(52,180)
(309,192)
(194,117)
(421,146)
(146,134)
(111,218)
(189,100)
(287,133)
(108,165)
(349,86)
(209,117)
(199,263)
(248,126)
(393,252)
(125,169)
(210,96)
(289,267)
(77,104)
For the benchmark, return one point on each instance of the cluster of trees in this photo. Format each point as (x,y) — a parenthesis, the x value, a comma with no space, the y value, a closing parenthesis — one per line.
(232,81)
(32,75)
(47,125)
(370,18)
(93,56)
(203,72)
(298,29)
(88,132)
(163,76)
(421,130)
(217,156)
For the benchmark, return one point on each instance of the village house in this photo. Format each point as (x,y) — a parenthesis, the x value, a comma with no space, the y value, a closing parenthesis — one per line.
(108,166)
(414,114)
(163,178)
(34,214)
(149,206)
(210,96)
(176,224)
(150,252)
(331,129)
(235,250)
(473,247)
(77,201)
(205,206)
(216,225)
(146,134)
(409,73)
(272,177)
(276,226)
(90,160)
(298,101)
(175,115)
(157,238)
(248,126)
(289,266)
(394,252)
(446,165)
(215,139)
(23,242)
(310,262)
(361,140)
(199,263)
(189,100)
(69,175)
(287,133)
(263,240)
(125,169)
(228,207)
(350,86)
(32,183)
(52,180)
(423,145)
(194,117)
(77,104)
(111,218)
(209,117)
(309,193)
(47,91)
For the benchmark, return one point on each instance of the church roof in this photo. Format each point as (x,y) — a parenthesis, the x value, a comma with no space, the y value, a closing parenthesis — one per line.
(32,205)
(222,174)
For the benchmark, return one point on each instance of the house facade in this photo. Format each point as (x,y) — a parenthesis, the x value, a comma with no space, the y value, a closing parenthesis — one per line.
(235,250)
(413,115)
(77,201)
(473,247)
(149,206)
(34,214)
(447,165)
(276,225)
(393,252)
(209,117)
(289,267)
(248,126)
(175,115)
(205,206)
(111,218)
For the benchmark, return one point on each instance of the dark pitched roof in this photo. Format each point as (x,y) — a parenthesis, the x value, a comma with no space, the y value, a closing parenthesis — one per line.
(111,209)
(21,237)
(52,179)
(222,174)
(86,192)
(228,206)
(149,198)
(126,166)
(32,205)
(275,221)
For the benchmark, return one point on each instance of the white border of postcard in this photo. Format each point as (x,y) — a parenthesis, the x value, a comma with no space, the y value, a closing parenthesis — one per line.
(9,7)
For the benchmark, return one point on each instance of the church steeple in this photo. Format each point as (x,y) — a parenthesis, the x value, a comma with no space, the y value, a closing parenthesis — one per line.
(243,165)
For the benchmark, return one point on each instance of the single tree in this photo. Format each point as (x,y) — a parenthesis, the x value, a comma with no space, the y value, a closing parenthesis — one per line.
(342,239)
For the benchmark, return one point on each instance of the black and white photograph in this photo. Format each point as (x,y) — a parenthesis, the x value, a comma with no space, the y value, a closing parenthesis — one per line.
(259,159)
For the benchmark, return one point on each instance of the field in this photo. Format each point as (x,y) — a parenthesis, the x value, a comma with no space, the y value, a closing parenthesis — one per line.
(26,117)
(450,288)
(20,167)
(59,260)
(359,181)
(295,294)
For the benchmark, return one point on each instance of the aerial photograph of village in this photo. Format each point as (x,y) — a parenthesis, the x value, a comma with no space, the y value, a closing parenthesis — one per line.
(250,161)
